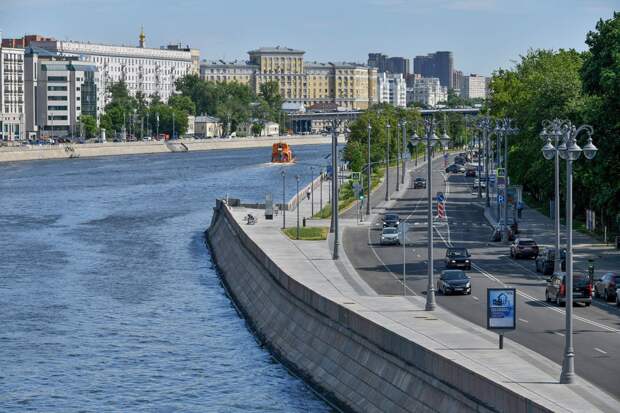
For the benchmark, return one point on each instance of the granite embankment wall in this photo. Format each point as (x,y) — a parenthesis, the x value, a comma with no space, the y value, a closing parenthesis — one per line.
(360,365)
(68,151)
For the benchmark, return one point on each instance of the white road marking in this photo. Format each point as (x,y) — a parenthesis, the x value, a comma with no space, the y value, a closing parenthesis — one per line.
(559,334)
(600,351)
(475,298)
(523,320)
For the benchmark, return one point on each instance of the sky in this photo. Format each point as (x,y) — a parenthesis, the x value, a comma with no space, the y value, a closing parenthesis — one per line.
(484,35)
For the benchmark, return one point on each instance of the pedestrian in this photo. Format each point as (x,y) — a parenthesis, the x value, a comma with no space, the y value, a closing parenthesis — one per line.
(308,194)
(519,209)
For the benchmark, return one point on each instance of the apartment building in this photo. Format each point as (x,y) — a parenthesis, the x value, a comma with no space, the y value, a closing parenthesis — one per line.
(474,86)
(12,100)
(427,91)
(392,89)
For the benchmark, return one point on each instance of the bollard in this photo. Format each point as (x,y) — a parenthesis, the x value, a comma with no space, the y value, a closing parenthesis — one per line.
(304,222)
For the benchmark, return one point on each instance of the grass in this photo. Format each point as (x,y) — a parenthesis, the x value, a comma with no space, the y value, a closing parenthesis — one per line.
(307,233)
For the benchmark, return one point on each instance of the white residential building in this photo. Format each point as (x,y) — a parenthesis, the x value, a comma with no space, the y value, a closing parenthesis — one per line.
(392,89)
(146,70)
(428,91)
(11,94)
(207,127)
(474,86)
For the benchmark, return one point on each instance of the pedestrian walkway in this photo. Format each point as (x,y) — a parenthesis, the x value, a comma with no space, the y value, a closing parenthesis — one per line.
(541,228)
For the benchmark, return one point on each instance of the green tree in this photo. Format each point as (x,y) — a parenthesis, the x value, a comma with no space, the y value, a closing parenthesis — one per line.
(183,103)
(90,125)
(270,93)
(165,114)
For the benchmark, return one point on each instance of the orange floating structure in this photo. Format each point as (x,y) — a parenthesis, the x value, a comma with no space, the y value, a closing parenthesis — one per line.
(282,153)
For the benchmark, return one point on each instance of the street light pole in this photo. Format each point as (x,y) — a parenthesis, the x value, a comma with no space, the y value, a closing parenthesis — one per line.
(387,165)
(298,201)
(283,173)
(402,153)
(335,186)
(552,129)
(570,151)
(397,158)
(312,189)
(368,171)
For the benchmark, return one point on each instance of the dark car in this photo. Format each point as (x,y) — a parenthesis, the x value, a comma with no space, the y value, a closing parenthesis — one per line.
(545,261)
(391,220)
(457,258)
(459,160)
(471,172)
(606,286)
(618,297)
(454,168)
(524,248)
(419,183)
(453,282)
(556,289)
(496,235)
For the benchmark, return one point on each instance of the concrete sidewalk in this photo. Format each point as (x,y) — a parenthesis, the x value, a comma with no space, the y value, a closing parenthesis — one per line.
(474,348)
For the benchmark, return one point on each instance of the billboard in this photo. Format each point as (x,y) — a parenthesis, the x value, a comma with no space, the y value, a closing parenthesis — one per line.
(501,308)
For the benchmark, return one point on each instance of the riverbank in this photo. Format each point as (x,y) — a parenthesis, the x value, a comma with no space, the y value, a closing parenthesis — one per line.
(89,150)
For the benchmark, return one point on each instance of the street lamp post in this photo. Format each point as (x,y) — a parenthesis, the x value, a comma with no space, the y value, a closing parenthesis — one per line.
(321,192)
(402,153)
(387,165)
(312,189)
(397,157)
(570,151)
(431,139)
(503,131)
(485,125)
(368,171)
(283,173)
(335,186)
(298,201)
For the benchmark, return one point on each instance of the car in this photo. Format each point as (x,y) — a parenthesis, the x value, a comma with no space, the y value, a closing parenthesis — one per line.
(618,297)
(419,183)
(545,261)
(482,182)
(496,235)
(457,258)
(606,286)
(454,281)
(391,220)
(556,289)
(523,248)
(454,168)
(389,235)
(471,172)
(459,160)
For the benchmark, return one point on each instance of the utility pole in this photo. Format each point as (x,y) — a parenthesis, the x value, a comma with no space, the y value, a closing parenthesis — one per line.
(335,186)
(368,171)
(387,165)
(402,153)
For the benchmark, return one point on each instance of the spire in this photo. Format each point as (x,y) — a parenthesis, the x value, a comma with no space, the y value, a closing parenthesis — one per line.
(142,37)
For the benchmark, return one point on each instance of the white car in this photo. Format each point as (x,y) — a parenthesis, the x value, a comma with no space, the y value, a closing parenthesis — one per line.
(482,183)
(389,235)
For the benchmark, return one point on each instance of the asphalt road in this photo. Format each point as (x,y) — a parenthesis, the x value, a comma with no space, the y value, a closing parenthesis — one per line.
(540,326)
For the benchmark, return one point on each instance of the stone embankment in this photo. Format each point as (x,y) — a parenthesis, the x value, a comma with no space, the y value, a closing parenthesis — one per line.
(371,353)
(68,151)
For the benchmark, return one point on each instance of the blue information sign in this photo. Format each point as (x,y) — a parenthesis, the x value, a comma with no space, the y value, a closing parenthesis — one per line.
(500,199)
(501,308)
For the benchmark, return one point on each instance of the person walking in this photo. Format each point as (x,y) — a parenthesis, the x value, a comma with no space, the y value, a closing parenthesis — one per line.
(308,193)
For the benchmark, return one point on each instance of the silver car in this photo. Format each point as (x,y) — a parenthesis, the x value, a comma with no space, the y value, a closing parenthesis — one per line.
(389,235)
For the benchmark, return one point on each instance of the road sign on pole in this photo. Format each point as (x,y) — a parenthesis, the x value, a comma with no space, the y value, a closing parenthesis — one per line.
(501,199)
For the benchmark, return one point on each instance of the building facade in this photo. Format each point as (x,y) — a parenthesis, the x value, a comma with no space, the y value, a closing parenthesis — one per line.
(474,87)
(392,89)
(146,70)
(208,127)
(439,64)
(427,91)
(12,97)
(383,63)
(349,85)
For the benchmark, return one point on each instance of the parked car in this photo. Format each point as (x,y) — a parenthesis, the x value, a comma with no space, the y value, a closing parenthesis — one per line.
(391,220)
(389,235)
(459,160)
(454,281)
(556,289)
(618,297)
(524,248)
(545,261)
(481,182)
(457,258)
(419,183)
(606,286)
(471,172)
(454,168)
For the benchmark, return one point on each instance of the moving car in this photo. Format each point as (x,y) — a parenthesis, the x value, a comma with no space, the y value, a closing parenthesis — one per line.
(482,183)
(454,281)
(545,261)
(419,183)
(606,286)
(496,235)
(470,172)
(459,160)
(454,168)
(524,248)
(391,220)
(556,289)
(389,235)
(457,258)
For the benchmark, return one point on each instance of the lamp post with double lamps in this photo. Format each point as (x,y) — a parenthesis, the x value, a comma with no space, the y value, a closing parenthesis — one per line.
(312,190)
(368,171)
(431,139)
(402,152)
(387,165)
(485,125)
(298,202)
(283,208)
(504,130)
(570,151)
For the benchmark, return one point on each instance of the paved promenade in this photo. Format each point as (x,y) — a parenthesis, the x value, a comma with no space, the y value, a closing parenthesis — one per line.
(472,347)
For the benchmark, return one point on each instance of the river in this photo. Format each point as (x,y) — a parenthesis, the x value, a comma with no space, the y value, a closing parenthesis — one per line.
(108,297)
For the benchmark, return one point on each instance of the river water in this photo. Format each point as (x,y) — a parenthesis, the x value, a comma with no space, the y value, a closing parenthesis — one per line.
(108,297)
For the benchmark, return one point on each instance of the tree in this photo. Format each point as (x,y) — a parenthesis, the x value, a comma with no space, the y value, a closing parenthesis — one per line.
(90,125)
(182,103)
(270,93)
(165,113)
(257,128)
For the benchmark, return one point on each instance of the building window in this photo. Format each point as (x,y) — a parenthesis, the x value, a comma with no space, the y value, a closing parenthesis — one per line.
(57,78)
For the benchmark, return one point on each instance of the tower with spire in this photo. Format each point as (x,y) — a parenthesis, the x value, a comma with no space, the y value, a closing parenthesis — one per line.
(142,37)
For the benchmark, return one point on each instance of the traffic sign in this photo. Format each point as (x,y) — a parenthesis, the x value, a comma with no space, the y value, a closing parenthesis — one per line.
(501,199)
(440,197)
(355,176)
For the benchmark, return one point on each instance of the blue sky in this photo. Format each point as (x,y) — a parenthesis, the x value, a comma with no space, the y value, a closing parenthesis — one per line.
(483,34)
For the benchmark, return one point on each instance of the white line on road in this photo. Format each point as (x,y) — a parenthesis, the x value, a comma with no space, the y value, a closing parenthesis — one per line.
(475,298)
(523,320)
(600,351)
(559,334)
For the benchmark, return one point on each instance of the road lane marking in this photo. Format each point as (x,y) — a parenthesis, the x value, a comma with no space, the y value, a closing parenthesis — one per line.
(523,320)
(559,334)
(475,298)
(600,351)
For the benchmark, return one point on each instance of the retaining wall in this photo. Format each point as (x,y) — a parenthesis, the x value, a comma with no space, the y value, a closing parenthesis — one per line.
(359,364)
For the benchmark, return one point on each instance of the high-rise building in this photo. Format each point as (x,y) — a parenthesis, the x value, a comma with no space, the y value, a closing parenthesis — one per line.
(11,93)
(146,70)
(392,89)
(378,61)
(474,87)
(457,81)
(348,85)
(439,64)
(383,63)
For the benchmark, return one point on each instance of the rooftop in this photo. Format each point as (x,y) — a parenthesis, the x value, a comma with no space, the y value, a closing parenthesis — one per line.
(277,49)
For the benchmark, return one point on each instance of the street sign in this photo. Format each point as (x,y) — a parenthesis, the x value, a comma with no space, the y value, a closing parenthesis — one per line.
(501,308)
(355,176)
(501,172)
(501,199)
(357,187)
(440,197)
